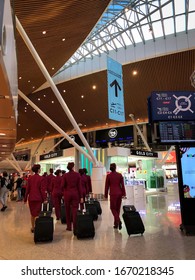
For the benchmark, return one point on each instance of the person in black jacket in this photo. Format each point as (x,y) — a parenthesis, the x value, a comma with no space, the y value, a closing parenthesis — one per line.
(19,188)
(4,190)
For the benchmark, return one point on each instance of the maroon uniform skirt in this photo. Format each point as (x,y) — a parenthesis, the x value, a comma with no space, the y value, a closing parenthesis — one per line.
(35,208)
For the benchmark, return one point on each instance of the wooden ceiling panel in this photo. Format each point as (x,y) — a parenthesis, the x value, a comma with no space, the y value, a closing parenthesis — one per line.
(60,19)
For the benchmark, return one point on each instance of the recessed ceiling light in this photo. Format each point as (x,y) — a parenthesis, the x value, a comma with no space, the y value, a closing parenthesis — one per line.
(94,87)
(19,124)
(64,90)
(20,78)
(27,129)
(28,81)
(82,96)
(134,72)
(27,104)
(63,39)
(44,32)
(44,95)
(33,87)
(2,134)
(39,99)
(33,110)
(83,110)
(52,68)
(52,101)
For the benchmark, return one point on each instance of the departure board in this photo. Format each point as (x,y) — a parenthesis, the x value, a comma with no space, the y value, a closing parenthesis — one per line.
(177,132)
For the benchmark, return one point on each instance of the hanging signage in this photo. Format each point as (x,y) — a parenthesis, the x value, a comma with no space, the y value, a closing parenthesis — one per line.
(144,153)
(51,155)
(171,105)
(115,91)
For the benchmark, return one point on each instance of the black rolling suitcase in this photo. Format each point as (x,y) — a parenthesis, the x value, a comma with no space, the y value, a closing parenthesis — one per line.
(44,227)
(92,209)
(97,204)
(84,225)
(63,213)
(133,222)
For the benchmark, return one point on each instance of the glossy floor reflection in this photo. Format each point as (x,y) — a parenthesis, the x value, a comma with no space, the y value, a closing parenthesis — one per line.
(162,239)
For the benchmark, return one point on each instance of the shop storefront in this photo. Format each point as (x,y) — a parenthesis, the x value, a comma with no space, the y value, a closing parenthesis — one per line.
(57,160)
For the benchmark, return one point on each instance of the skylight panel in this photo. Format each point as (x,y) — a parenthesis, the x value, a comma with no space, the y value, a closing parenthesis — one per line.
(180,6)
(167,10)
(169,26)
(192,6)
(180,23)
(191,21)
(136,35)
(157,29)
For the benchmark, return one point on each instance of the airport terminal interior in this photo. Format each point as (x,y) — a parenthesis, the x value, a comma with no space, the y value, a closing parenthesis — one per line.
(94,88)
(162,239)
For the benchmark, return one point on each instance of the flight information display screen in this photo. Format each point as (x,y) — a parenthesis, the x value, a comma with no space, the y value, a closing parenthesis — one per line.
(177,132)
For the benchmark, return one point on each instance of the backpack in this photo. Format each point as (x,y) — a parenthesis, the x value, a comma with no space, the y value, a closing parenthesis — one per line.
(6,182)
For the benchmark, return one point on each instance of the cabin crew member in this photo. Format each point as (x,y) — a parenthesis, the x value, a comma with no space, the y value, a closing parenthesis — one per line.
(73,195)
(84,185)
(57,192)
(48,180)
(115,185)
(88,181)
(35,194)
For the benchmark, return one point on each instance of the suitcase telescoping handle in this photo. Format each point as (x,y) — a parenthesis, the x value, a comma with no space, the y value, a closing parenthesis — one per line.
(42,206)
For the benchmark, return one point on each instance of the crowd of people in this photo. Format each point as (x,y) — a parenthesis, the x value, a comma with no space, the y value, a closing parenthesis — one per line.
(70,187)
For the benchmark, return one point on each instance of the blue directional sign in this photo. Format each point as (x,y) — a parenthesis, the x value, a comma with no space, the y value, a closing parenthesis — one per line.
(115,91)
(172,105)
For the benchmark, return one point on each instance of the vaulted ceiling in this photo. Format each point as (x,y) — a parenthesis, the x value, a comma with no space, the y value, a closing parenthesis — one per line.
(66,24)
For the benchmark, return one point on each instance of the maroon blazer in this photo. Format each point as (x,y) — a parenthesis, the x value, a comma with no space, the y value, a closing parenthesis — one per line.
(72,181)
(49,179)
(56,185)
(89,183)
(84,183)
(114,184)
(35,190)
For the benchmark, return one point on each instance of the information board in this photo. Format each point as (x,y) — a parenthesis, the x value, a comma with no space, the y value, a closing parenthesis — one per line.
(172,105)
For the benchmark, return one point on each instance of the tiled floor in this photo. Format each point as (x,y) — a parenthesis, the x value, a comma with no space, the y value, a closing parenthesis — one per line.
(162,239)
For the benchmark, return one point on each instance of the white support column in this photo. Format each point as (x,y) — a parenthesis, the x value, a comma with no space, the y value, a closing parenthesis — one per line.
(54,88)
(12,164)
(39,144)
(140,133)
(54,125)
(166,156)
(55,145)
(16,163)
(19,141)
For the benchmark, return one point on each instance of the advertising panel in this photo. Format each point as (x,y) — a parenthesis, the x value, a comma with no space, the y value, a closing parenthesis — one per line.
(188,171)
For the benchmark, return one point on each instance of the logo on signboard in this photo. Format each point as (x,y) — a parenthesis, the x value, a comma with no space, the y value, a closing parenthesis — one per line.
(112,133)
(182,103)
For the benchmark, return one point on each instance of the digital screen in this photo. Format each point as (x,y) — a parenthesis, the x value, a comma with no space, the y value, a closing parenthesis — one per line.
(188,171)
(177,132)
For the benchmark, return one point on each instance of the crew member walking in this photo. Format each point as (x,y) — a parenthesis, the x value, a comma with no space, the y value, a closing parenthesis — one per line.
(115,186)
(71,183)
